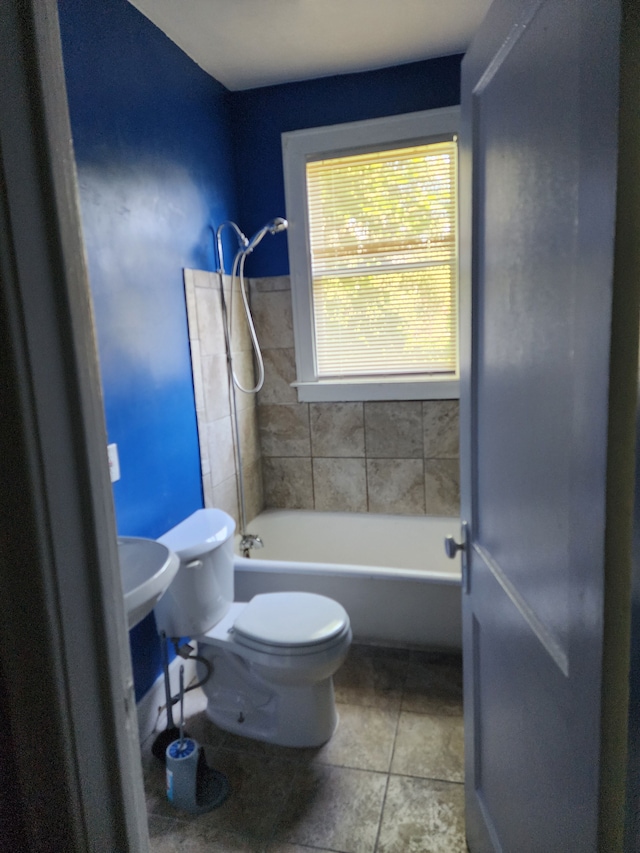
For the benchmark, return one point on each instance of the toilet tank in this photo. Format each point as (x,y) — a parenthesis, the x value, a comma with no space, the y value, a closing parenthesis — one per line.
(202,591)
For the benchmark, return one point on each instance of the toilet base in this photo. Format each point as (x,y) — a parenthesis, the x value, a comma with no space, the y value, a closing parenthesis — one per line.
(242,701)
(293,716)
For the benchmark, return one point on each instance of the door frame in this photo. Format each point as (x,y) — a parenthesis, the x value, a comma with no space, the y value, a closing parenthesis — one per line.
(69,732)
(621,677)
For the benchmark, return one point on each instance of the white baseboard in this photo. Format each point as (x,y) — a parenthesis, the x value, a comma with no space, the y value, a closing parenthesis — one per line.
(150,718)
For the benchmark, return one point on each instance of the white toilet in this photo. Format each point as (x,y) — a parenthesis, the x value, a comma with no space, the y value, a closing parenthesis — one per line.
(272,659)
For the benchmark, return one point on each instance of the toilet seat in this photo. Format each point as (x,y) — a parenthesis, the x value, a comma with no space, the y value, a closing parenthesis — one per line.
(291,619)
(283,624)
(292,651)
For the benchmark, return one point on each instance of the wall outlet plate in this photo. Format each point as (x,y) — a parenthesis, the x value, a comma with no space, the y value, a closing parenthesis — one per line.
(114,462)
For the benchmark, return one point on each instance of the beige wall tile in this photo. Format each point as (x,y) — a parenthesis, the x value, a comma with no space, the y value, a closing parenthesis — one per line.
(216,386)
(240,339)
(203,444)
(209,314)
(219,437)
(287,483)
(279,373)
(207,490)
(268,285)
(225,497)
(284,430)
(243,369)
(249,439)
(201,278)
(198,380)
(253,492)
(442,486)
(393,430)
(337,429)
(190,298)
(396,486)
(441,429)
(273,319)
(340,485)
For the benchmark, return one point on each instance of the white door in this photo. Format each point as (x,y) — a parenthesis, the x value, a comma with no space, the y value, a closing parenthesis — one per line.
(538,160)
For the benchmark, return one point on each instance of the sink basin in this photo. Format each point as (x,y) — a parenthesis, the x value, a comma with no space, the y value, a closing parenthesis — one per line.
(147,569)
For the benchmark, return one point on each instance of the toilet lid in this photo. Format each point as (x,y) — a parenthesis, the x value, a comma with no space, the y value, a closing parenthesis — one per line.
(291,619)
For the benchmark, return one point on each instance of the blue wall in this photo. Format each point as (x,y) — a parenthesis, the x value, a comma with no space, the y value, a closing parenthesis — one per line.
(156,140)
(261,115)
(154,162)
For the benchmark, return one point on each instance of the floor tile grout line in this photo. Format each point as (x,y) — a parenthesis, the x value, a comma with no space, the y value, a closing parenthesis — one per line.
(350,767)
(395,738)
(393,749)
(431,714)
(368,705)
(428,778)
(384,802)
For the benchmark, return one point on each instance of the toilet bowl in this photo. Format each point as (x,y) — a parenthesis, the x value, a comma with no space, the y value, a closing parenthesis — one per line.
(272,659)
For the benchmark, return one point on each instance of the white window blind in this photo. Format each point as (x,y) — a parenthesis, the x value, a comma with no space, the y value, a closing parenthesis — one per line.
(383,239)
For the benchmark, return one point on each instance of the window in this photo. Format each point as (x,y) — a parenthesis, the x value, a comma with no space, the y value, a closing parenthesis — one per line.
(372,209)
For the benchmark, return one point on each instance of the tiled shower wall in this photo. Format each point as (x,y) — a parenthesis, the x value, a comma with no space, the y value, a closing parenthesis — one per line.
(386,457)
(212,396)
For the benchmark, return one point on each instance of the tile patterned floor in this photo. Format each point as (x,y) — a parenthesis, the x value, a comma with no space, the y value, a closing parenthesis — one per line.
(388,781)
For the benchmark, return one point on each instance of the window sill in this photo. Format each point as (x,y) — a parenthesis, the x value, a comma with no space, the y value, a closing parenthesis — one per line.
(344,390)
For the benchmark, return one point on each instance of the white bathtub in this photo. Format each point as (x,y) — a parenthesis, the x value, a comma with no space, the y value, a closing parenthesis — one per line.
(389,572)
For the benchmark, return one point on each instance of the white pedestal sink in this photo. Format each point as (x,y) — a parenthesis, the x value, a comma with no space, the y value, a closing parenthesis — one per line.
(147,568)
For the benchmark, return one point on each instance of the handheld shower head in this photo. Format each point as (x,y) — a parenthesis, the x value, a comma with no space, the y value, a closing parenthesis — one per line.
(277,224)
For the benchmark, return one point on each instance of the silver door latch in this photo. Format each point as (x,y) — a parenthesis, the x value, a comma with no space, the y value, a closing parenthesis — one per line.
(452,547)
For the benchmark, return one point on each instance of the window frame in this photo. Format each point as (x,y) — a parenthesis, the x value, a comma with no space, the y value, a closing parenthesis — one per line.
(300,147)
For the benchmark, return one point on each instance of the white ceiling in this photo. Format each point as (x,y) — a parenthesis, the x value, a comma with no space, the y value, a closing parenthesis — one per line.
(249,43)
